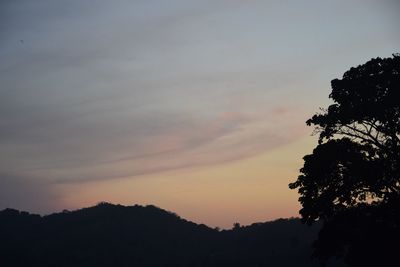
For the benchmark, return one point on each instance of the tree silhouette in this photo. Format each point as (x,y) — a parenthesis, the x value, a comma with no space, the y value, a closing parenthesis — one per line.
(351,181)
(116,235)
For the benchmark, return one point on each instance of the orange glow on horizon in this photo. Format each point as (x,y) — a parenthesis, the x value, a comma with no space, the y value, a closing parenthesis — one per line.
(244,191)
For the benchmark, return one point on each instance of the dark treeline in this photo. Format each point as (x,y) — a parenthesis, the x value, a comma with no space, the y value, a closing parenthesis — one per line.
(115,235)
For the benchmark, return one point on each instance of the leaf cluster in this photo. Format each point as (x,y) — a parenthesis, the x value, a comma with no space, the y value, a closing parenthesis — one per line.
(353,175)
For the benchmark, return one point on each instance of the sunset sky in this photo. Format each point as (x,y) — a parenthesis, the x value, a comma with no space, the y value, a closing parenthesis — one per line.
(198,107)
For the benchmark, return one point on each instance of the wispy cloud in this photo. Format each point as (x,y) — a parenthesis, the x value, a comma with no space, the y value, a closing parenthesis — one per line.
(106,90)
(144,145)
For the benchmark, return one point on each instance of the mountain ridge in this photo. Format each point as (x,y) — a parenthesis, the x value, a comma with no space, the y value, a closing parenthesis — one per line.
(116,235)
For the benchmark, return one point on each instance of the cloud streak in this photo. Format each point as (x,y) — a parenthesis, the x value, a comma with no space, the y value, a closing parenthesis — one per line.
(140,146)
(95,92)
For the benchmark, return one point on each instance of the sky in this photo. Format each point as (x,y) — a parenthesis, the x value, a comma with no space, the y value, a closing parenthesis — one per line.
(198,107)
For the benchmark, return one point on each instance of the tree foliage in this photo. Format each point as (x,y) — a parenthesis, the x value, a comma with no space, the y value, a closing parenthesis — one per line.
(351,181)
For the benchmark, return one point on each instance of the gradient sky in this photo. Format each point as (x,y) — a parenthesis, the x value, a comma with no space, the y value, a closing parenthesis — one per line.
(197,107)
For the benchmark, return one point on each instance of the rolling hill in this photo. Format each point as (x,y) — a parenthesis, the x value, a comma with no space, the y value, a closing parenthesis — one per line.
(116,235)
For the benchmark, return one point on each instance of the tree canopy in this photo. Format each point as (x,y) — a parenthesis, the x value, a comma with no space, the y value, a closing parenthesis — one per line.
(116,235)
(351,181)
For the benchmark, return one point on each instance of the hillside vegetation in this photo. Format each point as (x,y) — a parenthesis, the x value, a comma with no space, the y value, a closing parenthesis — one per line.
(115,235)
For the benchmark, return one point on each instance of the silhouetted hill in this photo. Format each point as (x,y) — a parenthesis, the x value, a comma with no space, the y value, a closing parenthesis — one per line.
(115,235)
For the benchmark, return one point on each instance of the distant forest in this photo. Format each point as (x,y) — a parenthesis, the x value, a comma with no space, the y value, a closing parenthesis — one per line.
(116,235)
